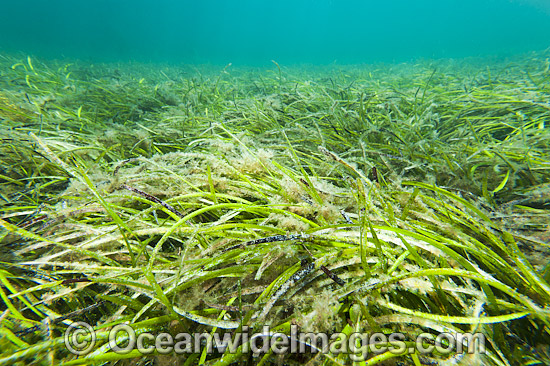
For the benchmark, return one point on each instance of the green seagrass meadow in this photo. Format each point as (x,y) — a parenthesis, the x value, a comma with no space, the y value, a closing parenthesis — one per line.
(411,198)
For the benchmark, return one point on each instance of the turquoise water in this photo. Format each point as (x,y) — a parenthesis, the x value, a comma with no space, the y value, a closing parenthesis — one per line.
(290,32)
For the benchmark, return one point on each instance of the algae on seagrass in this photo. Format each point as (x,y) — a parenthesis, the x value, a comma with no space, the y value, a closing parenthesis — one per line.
(410,198)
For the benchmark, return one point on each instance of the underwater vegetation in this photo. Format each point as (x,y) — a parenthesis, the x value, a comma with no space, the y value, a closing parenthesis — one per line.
(410,198)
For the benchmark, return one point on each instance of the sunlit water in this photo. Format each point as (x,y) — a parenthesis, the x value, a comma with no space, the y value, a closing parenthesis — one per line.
(254,32)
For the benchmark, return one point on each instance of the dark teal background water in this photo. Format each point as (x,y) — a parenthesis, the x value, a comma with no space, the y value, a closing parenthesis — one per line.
(288,31)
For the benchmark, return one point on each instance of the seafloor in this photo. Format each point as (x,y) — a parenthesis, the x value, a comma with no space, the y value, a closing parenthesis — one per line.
(409,198)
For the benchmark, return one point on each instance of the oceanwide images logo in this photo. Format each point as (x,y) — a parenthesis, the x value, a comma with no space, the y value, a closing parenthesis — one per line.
(81,339)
